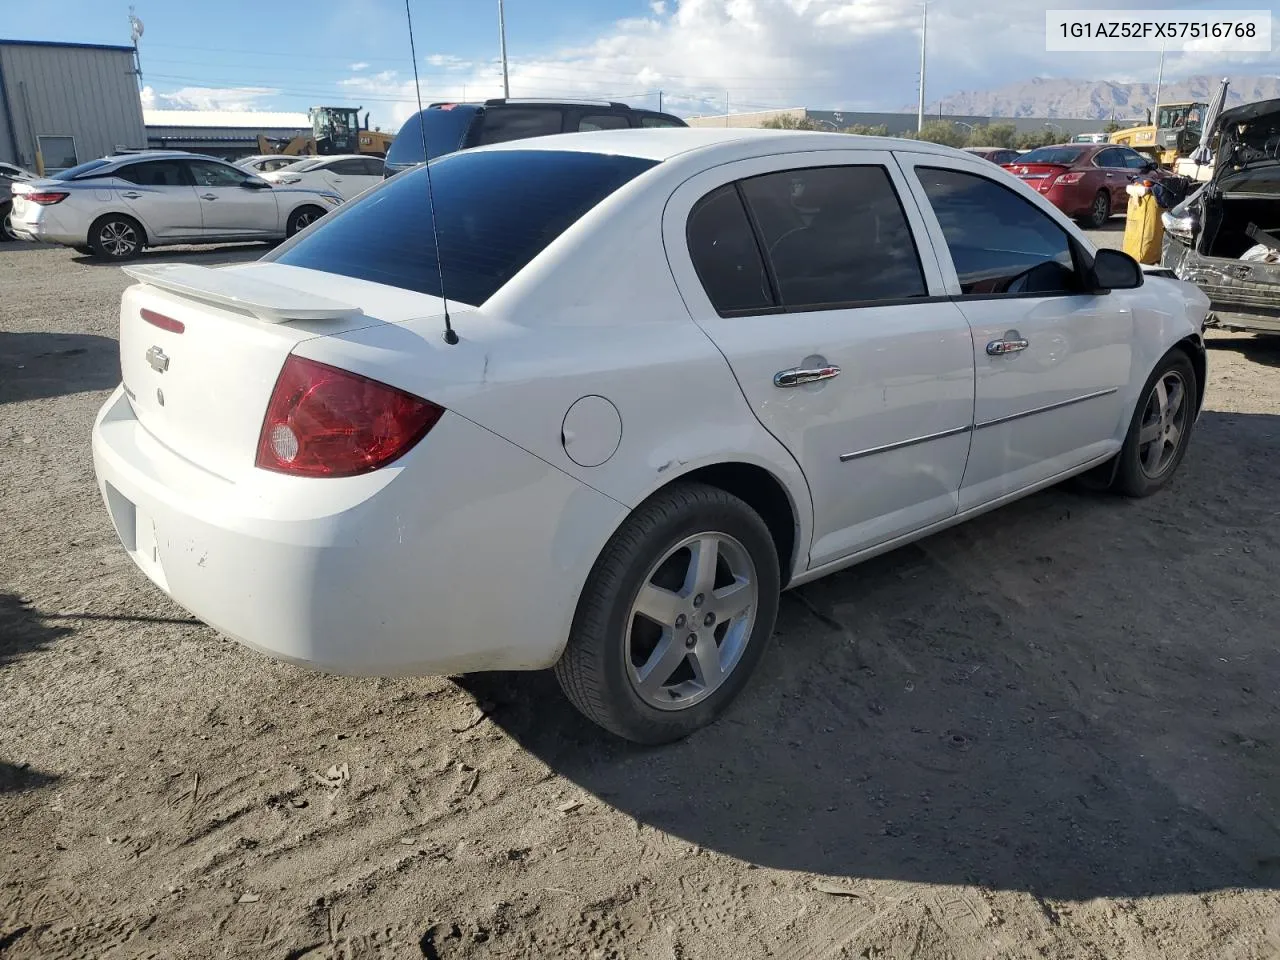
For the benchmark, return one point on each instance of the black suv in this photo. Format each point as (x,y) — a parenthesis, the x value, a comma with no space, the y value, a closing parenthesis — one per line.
(457,126)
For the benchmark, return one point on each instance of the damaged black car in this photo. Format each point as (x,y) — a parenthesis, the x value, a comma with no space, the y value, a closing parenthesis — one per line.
(1225,237)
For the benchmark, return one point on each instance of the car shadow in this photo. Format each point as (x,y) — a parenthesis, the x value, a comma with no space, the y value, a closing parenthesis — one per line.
(202,256)
(993,705)
(23,629)
(1260,348)
(36,366)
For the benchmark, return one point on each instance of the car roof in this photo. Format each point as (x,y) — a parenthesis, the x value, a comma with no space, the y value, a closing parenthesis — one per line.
(664,143)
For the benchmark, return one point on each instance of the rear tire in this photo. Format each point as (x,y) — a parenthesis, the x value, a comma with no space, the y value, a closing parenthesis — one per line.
(7,234)
(302,218)
(657,674)
(1160,429)
(116,237)
(1099,211)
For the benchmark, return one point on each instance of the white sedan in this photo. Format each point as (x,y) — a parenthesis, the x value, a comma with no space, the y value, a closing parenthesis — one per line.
(115,206)
(676,372)
(268,162)
(346,174)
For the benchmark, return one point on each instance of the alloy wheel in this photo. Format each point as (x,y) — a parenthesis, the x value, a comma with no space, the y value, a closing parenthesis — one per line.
(118,238)
(1164,420)
(690,621)
(1101,208)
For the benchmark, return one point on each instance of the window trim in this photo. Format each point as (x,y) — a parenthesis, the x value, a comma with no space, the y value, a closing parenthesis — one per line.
(1080,259)
(775,307)
(771,273)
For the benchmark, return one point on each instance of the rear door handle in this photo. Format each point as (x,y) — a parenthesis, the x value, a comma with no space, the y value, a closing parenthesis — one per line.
(208,196)
(798,376)
(998,348)
(131,195)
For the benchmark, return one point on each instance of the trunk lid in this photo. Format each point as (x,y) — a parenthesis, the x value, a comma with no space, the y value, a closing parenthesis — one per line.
(1039,175)
(201,348)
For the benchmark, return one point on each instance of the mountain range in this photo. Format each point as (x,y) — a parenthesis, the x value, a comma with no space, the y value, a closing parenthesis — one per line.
(1098,99)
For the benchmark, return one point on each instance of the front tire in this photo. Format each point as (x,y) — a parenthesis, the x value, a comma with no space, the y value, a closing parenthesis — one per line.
(7,233)
(674,617)
(302,218)
(116,237)
(1160,429)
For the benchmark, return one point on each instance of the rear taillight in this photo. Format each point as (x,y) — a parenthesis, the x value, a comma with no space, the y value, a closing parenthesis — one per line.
(326,422)
(1067,179)
(48,197)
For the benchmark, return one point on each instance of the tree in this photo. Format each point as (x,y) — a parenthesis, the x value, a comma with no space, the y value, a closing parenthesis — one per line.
(944,132)
(788,122)
(1111,127)
(1030,139)
(861,129)
(996,135)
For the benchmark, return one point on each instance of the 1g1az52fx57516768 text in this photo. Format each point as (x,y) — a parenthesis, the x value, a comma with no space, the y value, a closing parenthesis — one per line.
(1121,30)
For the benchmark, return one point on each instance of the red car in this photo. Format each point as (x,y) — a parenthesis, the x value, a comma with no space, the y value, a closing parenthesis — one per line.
(1085,180)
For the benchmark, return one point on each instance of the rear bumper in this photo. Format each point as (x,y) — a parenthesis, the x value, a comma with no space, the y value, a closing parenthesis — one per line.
(468,554)
(48,227)
(1071,200)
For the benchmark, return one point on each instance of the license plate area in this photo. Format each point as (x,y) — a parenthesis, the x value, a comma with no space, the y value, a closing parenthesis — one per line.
(137,533)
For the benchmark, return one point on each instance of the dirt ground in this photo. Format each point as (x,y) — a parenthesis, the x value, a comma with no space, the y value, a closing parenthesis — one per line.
(1050,732)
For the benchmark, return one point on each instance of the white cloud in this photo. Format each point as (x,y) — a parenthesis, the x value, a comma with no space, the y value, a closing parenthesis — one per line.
(208,98)
(357,67)
(843,54)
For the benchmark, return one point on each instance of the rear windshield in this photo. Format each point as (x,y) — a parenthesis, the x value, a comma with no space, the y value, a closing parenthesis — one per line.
(444,128)
(1065,155)
(81,170)
(495,211)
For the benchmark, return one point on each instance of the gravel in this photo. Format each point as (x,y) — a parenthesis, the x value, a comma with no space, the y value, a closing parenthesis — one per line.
(1050,732)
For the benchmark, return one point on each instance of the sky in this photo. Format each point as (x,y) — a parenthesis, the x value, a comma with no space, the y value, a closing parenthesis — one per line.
(696,56)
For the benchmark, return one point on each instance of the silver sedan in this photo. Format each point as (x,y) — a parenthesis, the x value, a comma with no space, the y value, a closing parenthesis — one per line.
(116,206)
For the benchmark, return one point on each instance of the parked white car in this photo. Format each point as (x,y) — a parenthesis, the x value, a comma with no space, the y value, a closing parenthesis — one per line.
(268,162)
(116,206)
(344,174)
(677,371)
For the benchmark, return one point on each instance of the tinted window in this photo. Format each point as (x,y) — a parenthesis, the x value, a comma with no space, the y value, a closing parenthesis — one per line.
(999,242)
(1006,156)
(209,174)
(1108,158)
(77,172)
(444,128)
(1063,155)
(835,235)
(658,120)
(348,168)
(373,166)
(1133,160)
(154,173)
(502,124)
(494,211)
(725,253)
(603,121)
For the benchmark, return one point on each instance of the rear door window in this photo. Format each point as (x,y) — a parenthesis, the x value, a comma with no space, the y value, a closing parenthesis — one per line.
(503,124)
(155,173)
(603,121)
(353,167)
(494,213)
(835,236)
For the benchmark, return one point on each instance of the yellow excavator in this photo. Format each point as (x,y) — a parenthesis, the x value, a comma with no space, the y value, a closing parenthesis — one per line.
(333,130)
(1175,133)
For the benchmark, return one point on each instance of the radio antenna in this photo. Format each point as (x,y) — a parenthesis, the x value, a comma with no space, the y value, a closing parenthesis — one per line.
(450,335)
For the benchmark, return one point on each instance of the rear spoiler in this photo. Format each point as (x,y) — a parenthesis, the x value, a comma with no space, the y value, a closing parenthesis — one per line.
(269,302)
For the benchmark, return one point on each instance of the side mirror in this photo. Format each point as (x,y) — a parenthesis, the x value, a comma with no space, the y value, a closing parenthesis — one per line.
(1115,270)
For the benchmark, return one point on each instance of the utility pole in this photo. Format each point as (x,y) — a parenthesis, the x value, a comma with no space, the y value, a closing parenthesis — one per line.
(924,37)
(659,101)
(135,31)
(502,36)
(1159,80)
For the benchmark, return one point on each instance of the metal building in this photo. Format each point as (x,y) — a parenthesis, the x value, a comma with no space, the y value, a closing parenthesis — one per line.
(65,103)
(221,133)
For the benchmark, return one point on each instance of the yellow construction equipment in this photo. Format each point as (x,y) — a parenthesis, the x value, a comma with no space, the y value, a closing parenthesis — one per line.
(333,130)
(1175,133)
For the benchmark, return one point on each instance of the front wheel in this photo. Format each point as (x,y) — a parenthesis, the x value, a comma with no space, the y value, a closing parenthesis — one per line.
(674,617)
(1160,428)
(7,233)
(302,218)
(115,237)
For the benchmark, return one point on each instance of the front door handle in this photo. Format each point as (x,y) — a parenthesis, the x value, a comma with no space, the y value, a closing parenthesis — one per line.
(131,195)
(798,376)
(208,196)
(999,348)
